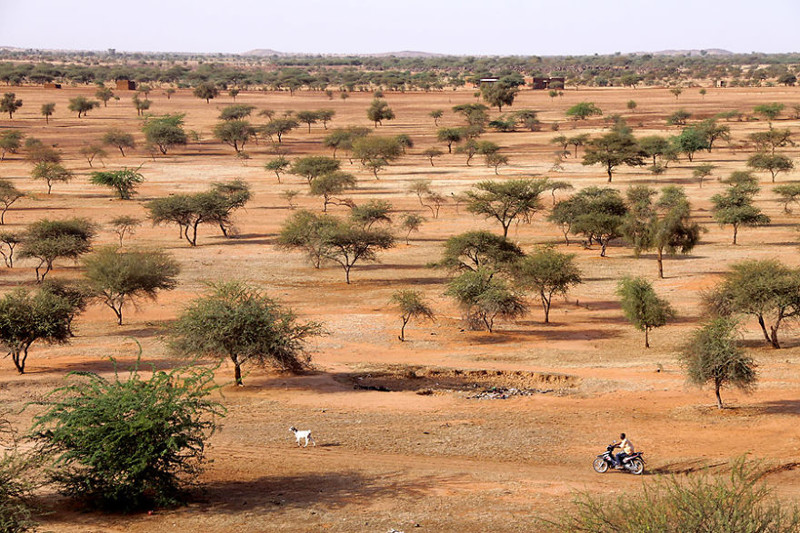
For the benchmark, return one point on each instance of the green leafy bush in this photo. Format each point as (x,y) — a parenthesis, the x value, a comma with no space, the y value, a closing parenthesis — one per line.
(738,502)
(128,444)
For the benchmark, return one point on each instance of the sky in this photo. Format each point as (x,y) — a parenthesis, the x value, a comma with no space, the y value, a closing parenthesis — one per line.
(462,27)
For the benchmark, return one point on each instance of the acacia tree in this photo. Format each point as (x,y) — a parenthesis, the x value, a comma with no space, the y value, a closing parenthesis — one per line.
(48,240)
(236,112)
(422,188)
(506,201)
(476,250)
(583,110)
(206,91)
(9,194)
(370,213)
(8,242)
(548,272)
(91,152)
(124,225)
(348,243)
(701,172)
(308,232)
(498,94)
(329,238)
(613,149)
(236,321)
(165,132)
(9,104)
(123,181)
(116,277)
(314,166)
(279,127)
(235,133)
(450,136)
(279,165)
(10,142)
(307,117)
(690,140)
(330,185)
(769,111)
(483,298)
(597,213)
(27,317)
(430,153)
(411,304)
(765,289)
(119,139)
(104,94)
(82,105)
(642,306)
(47,111)
(665,226)
(771,139)
(411,222)
(735,205)
(51,173)
(375,152)
(436,114)
(379,111)
(789,193)
(772,163)
(712,355)
(325,116)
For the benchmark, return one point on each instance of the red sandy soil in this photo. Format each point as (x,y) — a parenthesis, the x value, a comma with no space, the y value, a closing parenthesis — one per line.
(442,460)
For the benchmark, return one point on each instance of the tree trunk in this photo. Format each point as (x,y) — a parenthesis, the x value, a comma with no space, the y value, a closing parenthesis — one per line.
(545,306)
(735,232)
(505,228)
(403,329)
(764,328)
(603,245)
(608,171)
(774,337)
(118,312)
(660,260)
(237,372)
(717,385)
(347,274)
(646,337)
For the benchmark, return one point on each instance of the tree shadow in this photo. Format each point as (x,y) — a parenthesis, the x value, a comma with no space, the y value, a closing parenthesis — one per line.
(780,407)
(334,490)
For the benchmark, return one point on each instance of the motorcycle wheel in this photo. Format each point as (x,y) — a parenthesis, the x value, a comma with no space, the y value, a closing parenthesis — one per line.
(637,467)
(600,465)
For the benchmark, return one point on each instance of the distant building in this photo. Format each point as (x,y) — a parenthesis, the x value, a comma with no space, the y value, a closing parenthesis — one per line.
(52,85)
(126,85)
(488,81)
(540,84)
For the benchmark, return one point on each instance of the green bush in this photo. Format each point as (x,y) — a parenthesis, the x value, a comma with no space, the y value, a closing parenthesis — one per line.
(737,503)
(15,484)
(128,444)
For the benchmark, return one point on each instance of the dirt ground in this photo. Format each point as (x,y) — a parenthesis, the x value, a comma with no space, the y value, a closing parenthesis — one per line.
(404,439)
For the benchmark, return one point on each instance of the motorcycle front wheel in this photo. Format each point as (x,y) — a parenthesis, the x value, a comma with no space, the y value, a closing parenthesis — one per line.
(600,465)
(637,467)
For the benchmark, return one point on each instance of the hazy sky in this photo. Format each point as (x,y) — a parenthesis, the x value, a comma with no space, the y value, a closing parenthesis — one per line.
(532,27)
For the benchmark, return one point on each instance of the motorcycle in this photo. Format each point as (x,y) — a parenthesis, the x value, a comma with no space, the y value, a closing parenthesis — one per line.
(634,463)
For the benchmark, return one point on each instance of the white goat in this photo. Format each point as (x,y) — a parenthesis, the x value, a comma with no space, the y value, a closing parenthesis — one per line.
(305,434)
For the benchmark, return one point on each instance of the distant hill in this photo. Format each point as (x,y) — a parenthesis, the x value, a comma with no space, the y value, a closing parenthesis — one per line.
(708,52)
(265,52)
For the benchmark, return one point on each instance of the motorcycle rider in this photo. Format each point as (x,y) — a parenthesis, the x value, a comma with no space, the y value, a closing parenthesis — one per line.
(627,449)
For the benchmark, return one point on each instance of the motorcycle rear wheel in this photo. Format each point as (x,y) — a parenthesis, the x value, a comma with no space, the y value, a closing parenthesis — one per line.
(600,465)
(637,467)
